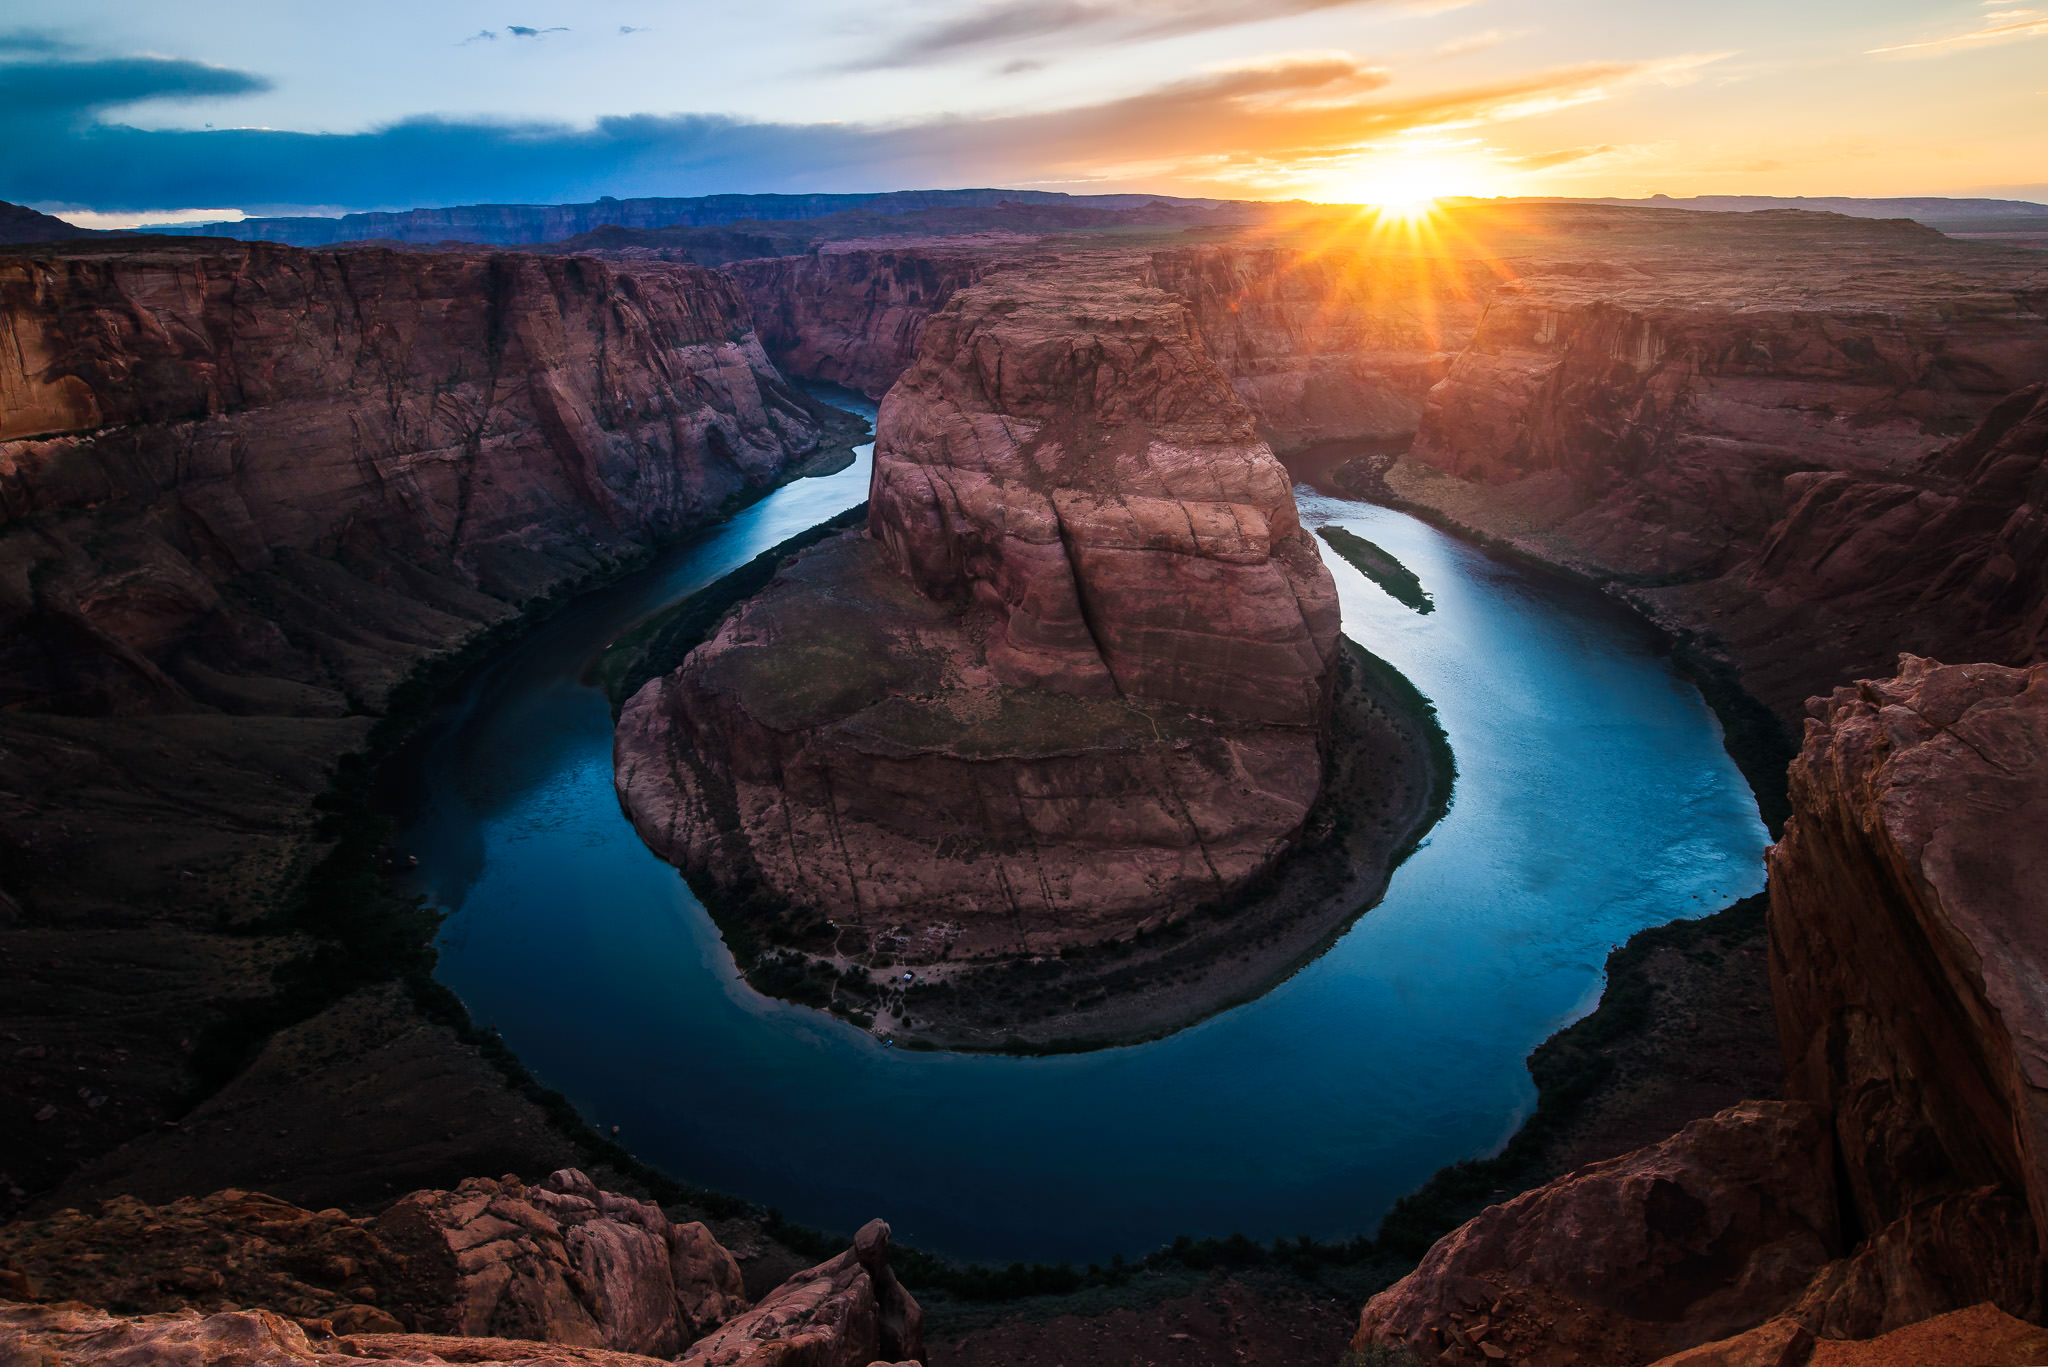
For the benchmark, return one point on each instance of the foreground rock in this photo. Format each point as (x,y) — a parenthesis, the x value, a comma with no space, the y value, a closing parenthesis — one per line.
(1906,953)
(1710,1232)
(491,1272)
(562,1262)
(1074,681)
(1908,943)
(68,1334)
(848,1312)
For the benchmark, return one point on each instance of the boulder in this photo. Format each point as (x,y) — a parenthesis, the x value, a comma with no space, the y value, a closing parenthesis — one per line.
(561,1262)
(75,1335)
(847,1312)
(1706,1234)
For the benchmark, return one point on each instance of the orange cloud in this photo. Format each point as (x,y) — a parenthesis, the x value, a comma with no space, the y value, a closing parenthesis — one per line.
(2001,27)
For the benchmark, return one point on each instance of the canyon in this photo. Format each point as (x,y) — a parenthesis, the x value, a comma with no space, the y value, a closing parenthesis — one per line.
(1072,683)
(248,489)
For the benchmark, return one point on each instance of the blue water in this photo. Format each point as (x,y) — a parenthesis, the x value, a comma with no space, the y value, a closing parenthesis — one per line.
(1593,799)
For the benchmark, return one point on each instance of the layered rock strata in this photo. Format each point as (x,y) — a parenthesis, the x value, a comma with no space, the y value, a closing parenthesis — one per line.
(492,1272)
(1906,962)
(244,490)
(1705,1234)
(1074,679)
(849,1311)
(852,317)
(558,1262)
(1908,938)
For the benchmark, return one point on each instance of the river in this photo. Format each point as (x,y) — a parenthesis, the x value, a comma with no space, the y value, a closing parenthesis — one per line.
(1593,799)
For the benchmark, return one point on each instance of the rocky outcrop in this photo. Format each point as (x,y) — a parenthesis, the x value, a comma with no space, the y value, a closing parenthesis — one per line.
(847,1312)
(1075,679)
(1069,456)
(74,1335)
(1907,940)
(852,318)
(1982,1335)
(1708,1233)
(1906,950)
(562,1262)
(21,224)
(1339,344)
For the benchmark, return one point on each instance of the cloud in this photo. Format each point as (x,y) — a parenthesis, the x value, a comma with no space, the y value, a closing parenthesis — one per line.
(1249,126)
(40,93)
(1563,156)
(522,31)
(628,28)
(482,35)
(2002,26)
(1002,22)
(1019,67)
(27,40)
(1470,43)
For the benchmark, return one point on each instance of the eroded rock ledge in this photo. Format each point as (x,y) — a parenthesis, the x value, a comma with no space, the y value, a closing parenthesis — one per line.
(1904,1178)
(1073,682)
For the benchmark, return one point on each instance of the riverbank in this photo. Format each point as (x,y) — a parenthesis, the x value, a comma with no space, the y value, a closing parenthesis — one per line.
(1760,741)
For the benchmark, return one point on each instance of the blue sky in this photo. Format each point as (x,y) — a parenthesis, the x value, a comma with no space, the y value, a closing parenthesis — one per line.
(122,108)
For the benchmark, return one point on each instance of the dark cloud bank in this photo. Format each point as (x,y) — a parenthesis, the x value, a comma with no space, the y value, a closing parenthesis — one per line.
(59,143)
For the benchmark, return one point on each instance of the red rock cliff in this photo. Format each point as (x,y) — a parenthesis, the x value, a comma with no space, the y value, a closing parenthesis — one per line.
(1909,933)
(1076,680)
(853,317)
(173,420)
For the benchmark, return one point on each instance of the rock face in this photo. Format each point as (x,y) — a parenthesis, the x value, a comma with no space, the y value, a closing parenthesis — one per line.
(1328,345)
(561,1262)
(1708,1233)
(244,490)
(853,317)
(1949,557)
(213,416)
(1075,679)
(1666,428)
(847,1312)
(1908,940)
(1072,457)
(76,1334)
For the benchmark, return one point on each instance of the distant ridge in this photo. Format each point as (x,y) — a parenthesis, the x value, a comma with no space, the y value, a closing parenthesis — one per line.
(20,224)
(511,225)
(1924,209)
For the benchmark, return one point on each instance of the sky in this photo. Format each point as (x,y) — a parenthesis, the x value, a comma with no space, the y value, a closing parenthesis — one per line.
(119,111)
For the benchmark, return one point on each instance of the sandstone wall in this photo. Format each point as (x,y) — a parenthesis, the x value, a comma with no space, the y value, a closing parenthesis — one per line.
(244,490)
(853,317)
(1073,457)
(1338,344)
(1667,427)
(1908,938)
(1075,679)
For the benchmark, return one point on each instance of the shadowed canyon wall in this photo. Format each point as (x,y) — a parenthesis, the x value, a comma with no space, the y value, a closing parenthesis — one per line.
(1074,678)
(243,491)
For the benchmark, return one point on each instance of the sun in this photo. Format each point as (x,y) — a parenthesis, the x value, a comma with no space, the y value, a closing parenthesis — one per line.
(1402,188)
